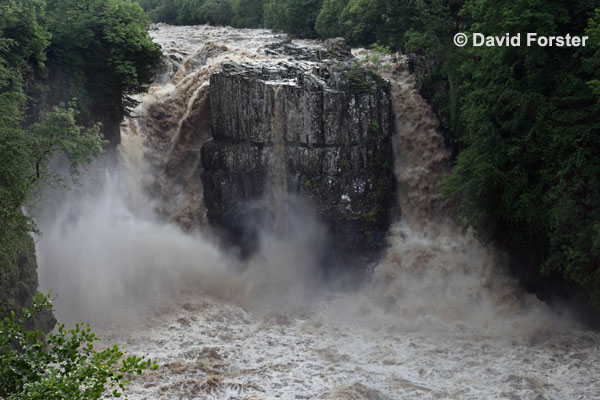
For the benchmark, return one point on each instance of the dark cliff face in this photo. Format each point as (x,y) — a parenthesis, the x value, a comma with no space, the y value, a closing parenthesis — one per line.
(19,283)
(326,127)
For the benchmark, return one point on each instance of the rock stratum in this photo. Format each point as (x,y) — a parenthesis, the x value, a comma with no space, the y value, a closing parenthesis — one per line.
(330,140)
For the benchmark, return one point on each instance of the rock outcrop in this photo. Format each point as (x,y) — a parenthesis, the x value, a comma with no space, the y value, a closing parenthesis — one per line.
(325,126)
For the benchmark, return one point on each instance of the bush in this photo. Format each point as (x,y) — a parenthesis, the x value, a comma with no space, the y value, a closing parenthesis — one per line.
(61,365)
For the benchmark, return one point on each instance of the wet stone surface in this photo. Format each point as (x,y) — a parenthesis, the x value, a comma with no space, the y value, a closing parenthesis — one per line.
(336,154)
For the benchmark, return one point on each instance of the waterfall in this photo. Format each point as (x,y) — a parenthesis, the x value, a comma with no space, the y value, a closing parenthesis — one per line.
(439,318)
(434,275)
(279,186)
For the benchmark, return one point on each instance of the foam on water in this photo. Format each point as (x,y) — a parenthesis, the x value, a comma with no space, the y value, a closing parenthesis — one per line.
(211,349)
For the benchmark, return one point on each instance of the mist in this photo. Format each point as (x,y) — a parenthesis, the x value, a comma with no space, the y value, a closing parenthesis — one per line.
(108,261)
(101,258)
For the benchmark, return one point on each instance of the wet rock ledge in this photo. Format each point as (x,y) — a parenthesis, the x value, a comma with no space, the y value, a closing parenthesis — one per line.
(333,123)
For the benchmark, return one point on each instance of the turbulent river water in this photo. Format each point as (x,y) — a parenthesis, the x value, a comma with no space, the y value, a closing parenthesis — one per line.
(439,319)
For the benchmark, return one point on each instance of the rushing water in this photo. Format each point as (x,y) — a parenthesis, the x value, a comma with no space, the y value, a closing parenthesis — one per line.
(438,320)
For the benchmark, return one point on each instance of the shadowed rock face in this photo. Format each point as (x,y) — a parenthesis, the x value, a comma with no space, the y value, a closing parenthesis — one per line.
(325,126)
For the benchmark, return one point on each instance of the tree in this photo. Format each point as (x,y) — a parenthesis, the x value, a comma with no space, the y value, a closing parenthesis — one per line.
(247,13)
(274,14)
(101,48)
(216,12)
(104,54)
(296,17)
(328,22)
(25,148)
(167,11)
(527,175)
(592,64)
(301,17)
(360,19)
(63,365)
(188,11)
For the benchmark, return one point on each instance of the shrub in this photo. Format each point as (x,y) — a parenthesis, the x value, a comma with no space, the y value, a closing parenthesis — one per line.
(61,365)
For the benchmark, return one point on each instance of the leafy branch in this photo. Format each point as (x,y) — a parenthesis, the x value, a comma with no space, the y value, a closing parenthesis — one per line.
(62,365)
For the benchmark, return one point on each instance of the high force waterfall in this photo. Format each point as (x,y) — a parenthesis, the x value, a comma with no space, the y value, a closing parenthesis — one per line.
(272,225)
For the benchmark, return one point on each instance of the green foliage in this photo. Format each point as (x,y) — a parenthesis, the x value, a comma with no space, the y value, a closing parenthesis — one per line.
(25,151)
(103,49)
(592,64)
(22,52)
(58,132)
(185,12)
(431,28)
(374,127)
(63,365)
(361,19)
(274,14)
(372,215)
(216,12)
(247,13)
(375,60)
(24,156)
(296,17)
(527,174)
(103,52)
(194,12)
(23,41)
(301,17)
(362,77)
(358,79)
(18,275)
(376,21)
(15,170)
(328,23)
(165,11)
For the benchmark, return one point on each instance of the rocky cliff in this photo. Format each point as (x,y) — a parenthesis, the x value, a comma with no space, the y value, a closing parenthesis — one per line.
(19,282)
(319,129)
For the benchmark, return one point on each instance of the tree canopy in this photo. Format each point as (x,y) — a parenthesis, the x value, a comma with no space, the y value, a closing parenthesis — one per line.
(101,52)
(64,66)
